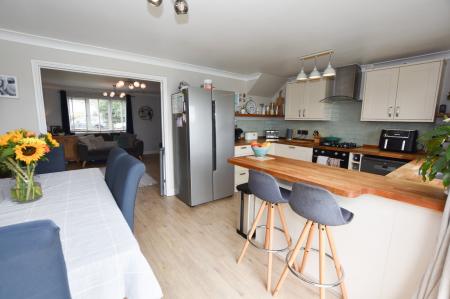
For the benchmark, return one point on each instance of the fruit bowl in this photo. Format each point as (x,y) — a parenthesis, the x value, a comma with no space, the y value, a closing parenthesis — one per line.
(260,150)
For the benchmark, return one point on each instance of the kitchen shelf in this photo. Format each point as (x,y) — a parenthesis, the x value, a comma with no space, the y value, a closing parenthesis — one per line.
(258,115)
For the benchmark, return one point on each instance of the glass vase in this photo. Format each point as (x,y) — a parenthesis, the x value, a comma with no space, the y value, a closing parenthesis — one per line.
(26,190)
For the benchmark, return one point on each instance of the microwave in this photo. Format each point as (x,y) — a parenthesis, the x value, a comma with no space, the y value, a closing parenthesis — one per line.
(399,140)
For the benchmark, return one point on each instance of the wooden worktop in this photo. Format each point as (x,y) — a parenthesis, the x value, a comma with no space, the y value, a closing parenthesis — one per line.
(372,150)
(397,186)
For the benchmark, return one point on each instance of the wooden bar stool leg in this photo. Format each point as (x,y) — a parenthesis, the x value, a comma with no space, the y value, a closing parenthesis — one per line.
(337,263)
(295,252)
(307,249)
(321,260)
(252,231)
(269,246)
(284,224)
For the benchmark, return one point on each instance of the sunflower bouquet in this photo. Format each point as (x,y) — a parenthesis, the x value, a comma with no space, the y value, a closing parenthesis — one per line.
(20,150)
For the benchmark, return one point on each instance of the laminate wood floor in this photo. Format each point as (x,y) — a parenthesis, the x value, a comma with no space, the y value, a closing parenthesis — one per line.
(193,251)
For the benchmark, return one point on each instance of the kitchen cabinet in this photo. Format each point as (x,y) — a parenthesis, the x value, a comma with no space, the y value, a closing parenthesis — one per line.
(293,152)
(240,173)
(404,93)
(303,100)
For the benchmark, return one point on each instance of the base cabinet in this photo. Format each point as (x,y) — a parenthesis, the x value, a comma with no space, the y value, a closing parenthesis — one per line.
(293,152)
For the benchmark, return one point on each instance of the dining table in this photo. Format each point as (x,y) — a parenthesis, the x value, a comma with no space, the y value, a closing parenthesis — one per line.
(102,256)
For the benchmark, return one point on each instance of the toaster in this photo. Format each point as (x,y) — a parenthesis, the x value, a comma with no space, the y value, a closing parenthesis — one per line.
(251,135)
(398,140)
(272,134)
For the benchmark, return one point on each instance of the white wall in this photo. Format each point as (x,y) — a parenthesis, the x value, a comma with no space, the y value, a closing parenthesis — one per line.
(149,131)
(22,113)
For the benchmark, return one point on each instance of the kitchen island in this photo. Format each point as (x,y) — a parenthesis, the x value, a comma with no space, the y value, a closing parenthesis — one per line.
(386,248)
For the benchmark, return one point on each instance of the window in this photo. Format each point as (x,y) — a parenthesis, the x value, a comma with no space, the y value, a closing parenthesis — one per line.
(97,115)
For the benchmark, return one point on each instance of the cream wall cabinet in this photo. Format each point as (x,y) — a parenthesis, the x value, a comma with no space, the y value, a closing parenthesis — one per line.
(303,100)
(405,93)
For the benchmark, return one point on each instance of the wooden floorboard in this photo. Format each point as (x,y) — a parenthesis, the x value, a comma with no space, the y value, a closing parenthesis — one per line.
(193,251)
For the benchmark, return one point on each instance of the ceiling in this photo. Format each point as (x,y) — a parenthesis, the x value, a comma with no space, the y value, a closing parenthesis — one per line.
(243,36)
(87,82)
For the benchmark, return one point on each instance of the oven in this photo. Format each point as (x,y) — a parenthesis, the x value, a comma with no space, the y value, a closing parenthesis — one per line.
(343,156)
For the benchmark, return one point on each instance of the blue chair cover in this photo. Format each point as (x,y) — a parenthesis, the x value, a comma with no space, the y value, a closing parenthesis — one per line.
(317,204)
(111,164)
(55,161)
(125,185)
(32,262)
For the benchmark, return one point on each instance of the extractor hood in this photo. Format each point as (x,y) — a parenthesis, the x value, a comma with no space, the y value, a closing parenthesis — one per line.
(346,85)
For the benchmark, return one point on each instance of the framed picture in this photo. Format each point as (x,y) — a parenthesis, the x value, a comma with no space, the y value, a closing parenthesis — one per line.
(8,86)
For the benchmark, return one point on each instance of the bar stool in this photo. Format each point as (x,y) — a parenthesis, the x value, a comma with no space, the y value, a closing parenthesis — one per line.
(319,207)
(265,187)
(244,189)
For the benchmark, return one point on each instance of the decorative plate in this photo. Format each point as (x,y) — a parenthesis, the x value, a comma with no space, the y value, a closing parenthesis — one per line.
(250,107)
(145,112)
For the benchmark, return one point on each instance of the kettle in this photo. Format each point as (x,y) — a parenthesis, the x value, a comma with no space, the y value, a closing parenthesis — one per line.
(289,133)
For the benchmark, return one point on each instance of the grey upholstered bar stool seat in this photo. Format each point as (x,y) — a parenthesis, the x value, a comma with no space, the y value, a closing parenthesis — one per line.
(265,187)
(317,206)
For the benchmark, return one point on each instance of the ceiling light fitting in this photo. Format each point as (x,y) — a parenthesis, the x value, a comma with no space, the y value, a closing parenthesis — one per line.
(113,93)
(315,74)
(181,7)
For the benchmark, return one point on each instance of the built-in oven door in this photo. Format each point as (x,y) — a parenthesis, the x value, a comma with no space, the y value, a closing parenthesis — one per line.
(342,156)
(381,166)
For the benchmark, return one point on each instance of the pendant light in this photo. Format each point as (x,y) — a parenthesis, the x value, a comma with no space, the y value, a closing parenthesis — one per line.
(302,75)
(315,74)
(155,3)
(181,7)
(329,71)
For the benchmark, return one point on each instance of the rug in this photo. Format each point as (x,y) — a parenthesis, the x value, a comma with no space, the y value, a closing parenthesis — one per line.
(145,181)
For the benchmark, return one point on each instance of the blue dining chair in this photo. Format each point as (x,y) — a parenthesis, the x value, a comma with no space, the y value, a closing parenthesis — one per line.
(111,164)
(124,188)
(55,161)
(31,262)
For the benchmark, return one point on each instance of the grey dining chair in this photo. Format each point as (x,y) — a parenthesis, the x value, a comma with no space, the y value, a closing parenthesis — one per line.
(55,161)
(32,262)
(111,164)
(125,184)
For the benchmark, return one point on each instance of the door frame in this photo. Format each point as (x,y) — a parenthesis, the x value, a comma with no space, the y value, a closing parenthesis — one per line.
(167,180)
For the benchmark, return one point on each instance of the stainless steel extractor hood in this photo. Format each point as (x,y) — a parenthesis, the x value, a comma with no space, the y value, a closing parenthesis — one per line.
(346,85)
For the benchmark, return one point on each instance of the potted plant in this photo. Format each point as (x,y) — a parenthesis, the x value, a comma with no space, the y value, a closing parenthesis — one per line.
(437,160)
(20,150)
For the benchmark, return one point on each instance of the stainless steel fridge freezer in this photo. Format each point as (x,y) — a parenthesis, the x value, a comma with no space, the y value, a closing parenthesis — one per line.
(203,131)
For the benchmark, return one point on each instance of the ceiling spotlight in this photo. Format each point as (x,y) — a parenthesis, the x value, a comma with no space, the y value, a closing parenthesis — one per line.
(143,85)
(302,75)
(155,3)
(105,94)
(136,84)
(131,86)
(315,73)
(181,7)
(120,84)
(122,94)
(329,71)
(112,94)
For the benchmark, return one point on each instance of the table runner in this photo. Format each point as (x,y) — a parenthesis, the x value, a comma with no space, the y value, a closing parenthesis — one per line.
(102,256)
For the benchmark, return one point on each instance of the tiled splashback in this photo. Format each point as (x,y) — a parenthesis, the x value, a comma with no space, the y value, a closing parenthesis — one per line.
(345,123)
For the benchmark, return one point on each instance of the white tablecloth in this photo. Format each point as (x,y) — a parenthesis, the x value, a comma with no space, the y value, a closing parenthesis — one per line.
(102,256)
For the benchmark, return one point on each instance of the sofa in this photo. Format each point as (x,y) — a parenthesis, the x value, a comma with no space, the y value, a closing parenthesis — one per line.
(96,147)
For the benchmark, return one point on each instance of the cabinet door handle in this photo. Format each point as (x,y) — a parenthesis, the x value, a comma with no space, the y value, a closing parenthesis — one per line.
(304,110)
(243,147)
(390,111)
(397,112)
(299,112)
(293,147)
(242,173)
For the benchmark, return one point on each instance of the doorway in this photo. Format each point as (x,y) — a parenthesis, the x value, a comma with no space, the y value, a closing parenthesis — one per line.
(105,109)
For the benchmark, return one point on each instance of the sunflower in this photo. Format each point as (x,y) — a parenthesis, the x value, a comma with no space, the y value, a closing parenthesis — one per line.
(30,150)
(52,141)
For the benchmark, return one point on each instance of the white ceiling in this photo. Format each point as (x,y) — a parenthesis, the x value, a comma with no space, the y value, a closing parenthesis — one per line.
(88,82)
(243,36)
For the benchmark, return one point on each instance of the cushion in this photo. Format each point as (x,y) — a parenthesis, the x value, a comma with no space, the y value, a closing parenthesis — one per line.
(126,140)
(88,140)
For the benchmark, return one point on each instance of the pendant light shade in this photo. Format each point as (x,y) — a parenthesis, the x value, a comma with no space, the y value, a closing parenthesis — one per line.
(329,71)
(155,3)
(315,74)
(302,76)
(181,7)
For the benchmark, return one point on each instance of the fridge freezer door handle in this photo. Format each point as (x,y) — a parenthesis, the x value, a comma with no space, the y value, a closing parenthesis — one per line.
(214,155)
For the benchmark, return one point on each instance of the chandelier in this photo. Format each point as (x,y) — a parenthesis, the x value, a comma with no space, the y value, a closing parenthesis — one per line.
(113,93)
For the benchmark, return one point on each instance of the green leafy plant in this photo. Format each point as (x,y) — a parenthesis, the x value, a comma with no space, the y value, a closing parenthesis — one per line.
(437,159)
